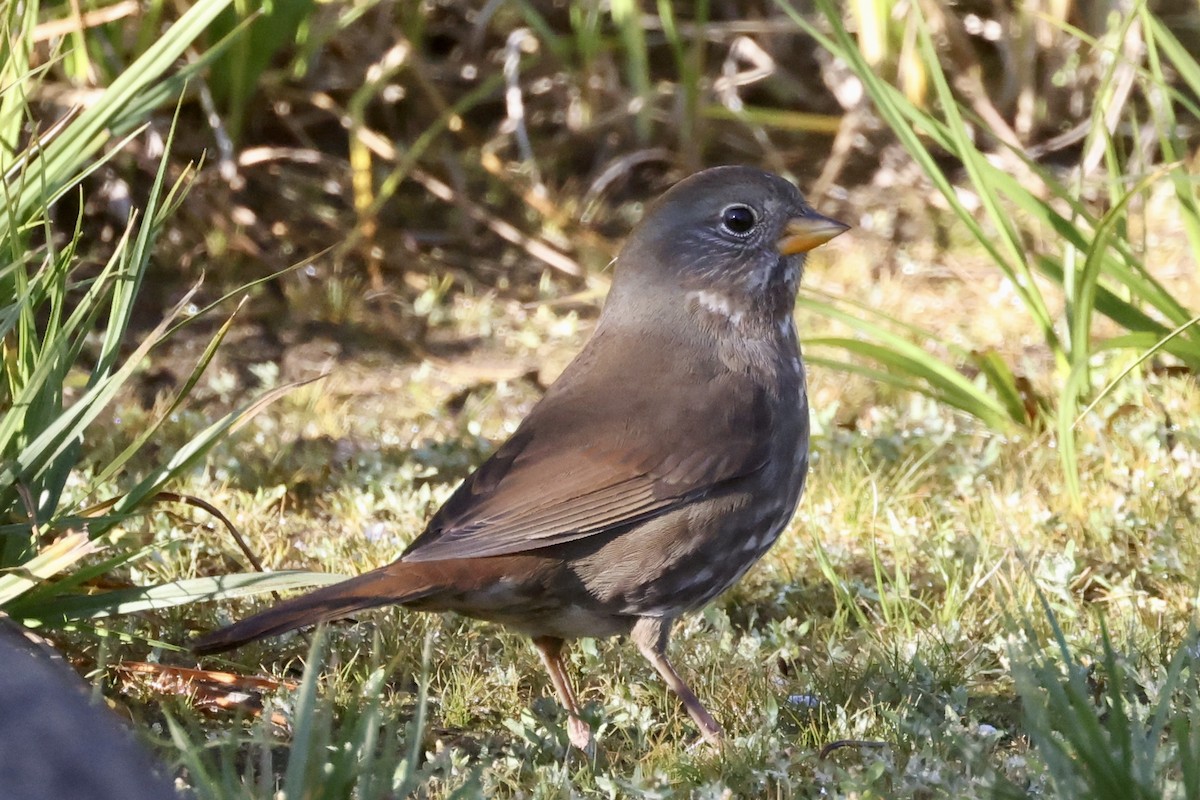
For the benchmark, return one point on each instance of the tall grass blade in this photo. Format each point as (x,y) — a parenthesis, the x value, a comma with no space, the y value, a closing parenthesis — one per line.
(117,602)
(56,168)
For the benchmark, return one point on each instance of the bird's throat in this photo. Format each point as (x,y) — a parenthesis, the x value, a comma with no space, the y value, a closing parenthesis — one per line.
(721,305)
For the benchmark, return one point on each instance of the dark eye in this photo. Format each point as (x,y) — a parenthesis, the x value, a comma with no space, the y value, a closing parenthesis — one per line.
(738,220)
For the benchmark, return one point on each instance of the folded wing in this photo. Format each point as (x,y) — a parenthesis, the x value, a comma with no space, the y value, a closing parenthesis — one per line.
(559,479)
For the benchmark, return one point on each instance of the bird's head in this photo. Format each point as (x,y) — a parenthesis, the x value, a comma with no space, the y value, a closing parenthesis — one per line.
(729,240)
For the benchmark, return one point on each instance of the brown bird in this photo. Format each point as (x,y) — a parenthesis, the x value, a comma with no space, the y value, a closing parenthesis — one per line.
(657,469)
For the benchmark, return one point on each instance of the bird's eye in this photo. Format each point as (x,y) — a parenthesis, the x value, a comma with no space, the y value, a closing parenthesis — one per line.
(738,220)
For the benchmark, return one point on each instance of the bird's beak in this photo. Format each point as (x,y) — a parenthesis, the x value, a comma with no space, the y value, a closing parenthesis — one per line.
(811,230)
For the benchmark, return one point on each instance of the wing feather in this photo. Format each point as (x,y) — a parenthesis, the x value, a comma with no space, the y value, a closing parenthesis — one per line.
(577,468)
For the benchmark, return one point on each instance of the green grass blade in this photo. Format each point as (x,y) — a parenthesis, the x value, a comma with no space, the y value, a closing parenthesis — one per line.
(170,595)
(197,447)
(60,159)
(147,433)
(57,557)
(311,730)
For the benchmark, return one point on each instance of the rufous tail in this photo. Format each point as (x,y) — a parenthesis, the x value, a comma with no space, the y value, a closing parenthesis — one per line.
(395,583)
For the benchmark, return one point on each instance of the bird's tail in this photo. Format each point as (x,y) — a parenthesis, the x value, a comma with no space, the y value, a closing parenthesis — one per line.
(395,583)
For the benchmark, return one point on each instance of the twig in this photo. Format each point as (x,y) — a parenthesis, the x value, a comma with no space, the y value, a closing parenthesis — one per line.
(195,502)
(840,743)
(87,19)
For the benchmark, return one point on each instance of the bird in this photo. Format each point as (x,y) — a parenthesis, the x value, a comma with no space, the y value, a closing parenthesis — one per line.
(662,463)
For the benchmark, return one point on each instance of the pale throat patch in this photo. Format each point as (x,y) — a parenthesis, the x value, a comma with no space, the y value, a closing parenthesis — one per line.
(718,303)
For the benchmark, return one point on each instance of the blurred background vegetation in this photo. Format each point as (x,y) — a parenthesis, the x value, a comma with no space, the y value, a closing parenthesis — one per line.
(267,192)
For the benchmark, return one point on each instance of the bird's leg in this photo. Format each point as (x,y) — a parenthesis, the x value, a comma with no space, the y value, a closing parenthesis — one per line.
(550,649)
(650,634)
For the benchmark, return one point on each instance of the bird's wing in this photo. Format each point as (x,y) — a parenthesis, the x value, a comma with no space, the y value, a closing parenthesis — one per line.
(563,477)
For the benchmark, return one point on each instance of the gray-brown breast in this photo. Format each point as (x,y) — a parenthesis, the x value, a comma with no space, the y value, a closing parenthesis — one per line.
(681,560)
(704,539)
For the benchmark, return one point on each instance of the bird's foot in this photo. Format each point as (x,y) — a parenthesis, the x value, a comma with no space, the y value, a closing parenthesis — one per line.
(713,735)
(580,734)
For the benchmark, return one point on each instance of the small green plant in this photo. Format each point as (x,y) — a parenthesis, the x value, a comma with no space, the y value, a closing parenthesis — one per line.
(1113,729)
(360,749)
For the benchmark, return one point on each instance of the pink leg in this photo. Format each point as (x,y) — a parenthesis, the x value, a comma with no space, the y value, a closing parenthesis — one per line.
(550,649)
(650,635)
